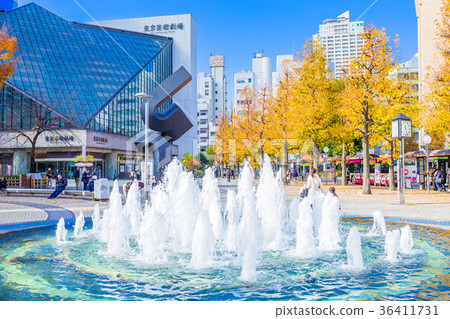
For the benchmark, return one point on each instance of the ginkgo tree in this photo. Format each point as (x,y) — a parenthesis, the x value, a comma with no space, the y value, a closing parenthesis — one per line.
(367,94)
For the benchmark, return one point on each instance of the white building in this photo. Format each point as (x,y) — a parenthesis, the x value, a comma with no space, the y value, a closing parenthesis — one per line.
(341,40)
(285,64)
(183,30)
(262,71)
(258,78)
(211,101)
(242,80)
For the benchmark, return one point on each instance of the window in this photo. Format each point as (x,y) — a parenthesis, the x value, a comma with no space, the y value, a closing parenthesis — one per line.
(206,92)
(249,80)
(206,84)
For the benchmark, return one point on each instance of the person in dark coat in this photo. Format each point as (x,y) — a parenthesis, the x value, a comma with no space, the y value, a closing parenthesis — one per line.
(61,184)
(85,178)
(96,173)
(3,184)
(76,176)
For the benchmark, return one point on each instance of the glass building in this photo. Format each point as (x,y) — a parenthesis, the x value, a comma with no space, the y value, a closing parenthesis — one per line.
(84,76)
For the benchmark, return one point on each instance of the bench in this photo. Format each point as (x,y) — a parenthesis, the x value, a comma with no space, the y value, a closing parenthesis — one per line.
(40,191)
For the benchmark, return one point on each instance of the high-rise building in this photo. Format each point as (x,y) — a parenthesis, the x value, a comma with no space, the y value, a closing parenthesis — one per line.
(428,12)
(258,78)
(211,101)
(409,71)
(285,65)
(262,71)
(342,41)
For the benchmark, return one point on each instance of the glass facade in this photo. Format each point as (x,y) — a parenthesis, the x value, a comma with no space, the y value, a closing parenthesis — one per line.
(83,73)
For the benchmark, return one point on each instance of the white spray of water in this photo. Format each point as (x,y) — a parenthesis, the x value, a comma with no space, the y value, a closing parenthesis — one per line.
(329,234)
(61,231)
(249,226)
(392,245)
(211,203)
(306,247)
(378,223)
(231,240)
(153,236)
(96,223)
(203,242)
(118,224)
(270,206)
(79,224)
(293,216)
(354,256)
(406,240)
(319,199)
(132,208)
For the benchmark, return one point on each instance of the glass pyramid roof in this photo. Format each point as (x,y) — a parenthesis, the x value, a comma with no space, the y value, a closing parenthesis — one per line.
(75,69)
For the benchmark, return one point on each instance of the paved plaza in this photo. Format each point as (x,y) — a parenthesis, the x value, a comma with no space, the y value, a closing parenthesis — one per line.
(20,212)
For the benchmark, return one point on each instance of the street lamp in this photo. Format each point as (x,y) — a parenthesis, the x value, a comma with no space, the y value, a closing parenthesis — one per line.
(145,98)
(401,128)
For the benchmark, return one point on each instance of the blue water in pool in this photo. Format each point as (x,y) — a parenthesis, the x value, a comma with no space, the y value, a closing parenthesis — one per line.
(34,267)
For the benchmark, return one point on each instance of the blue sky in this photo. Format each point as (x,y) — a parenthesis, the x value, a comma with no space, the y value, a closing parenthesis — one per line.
(238,29)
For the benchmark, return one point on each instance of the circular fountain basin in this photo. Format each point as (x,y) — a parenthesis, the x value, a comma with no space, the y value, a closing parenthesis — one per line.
(33,266)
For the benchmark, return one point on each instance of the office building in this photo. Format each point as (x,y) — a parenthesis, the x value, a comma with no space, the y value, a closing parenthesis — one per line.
(211,101)
(342,41)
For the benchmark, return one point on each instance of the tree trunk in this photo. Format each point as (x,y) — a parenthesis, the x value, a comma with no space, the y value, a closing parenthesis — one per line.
(366,158)
(285,162)
(316,156)
(391,166)
(344,164)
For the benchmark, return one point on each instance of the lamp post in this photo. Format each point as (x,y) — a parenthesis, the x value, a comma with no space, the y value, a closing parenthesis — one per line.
(145,98)
(401,128)
(427,140)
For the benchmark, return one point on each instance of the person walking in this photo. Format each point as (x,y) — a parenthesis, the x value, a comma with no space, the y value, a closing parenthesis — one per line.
(114,175)
(49,176)
(85,177)
(295,175)
(76,176)
(313,185)
(96,173)
(3,184)
(434,176)
(61,183)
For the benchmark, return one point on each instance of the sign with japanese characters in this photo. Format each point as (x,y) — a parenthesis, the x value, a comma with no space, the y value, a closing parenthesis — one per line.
(166,27)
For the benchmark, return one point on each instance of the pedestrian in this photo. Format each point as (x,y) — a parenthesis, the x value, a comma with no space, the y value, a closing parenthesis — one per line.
(440,179)
(433,177)
(154,181)
(333,192)
(49,176)
(229,175)
(61,183)
(313,185)
(295,175)
(114,175)
(233,172)
(85,178)
(216,171)
(444,180)
(96,173)
(3,184)
(138,175)
(76,176)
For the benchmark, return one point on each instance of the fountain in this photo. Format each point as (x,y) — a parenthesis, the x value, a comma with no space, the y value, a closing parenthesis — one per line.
(271,208)
(354,256)
(168,249)
(378,224)
(61,231)
(406,240)
(392,244)
(306,246)
(329,234)
(79,224)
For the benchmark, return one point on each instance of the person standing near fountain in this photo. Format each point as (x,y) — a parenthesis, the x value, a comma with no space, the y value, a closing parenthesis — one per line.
(313,185)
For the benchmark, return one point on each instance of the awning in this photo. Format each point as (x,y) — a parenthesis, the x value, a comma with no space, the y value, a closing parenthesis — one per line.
(63,160)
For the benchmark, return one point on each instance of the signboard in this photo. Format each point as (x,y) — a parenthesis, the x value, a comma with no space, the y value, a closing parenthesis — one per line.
(166,27)
(377,173)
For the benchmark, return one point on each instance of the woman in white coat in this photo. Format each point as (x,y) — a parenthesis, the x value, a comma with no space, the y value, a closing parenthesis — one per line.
(313,185)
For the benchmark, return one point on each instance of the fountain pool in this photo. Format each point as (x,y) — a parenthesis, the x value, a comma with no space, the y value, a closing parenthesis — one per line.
(186,245)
